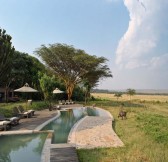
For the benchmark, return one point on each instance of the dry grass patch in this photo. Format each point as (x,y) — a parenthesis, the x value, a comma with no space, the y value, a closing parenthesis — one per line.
(125,97)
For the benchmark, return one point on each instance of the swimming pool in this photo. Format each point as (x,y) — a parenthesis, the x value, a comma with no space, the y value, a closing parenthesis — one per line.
(65,122)
(28,147)
(17,148)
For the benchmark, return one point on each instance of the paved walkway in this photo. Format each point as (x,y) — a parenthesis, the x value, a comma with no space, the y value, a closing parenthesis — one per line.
(63,153)
(31,123)
(93,132)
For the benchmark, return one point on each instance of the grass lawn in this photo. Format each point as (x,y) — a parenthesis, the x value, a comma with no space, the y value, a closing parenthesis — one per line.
(144,132)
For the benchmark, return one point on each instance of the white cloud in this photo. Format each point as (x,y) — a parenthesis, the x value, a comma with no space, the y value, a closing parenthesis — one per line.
(143,33)
(159,62)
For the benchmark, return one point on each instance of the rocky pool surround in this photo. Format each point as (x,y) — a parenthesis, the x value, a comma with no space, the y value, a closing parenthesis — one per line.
(94,131)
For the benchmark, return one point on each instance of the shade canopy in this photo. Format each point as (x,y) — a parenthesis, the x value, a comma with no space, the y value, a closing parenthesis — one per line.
(58,91)
(25,88)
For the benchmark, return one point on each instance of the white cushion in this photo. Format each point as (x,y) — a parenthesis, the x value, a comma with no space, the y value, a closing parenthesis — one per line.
(4,122)
(14,118)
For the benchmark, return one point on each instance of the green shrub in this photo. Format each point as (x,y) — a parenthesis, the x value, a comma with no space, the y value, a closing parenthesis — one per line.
(41,105)
(7,112)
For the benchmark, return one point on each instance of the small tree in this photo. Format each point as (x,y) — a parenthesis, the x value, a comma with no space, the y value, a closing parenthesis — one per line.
(47,85)
(118,95)
(131,92)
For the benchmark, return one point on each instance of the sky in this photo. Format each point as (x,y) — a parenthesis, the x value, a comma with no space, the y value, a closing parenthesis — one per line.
(131,34)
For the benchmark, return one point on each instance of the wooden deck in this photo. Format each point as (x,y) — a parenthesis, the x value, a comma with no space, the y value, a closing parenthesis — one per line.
(63,153)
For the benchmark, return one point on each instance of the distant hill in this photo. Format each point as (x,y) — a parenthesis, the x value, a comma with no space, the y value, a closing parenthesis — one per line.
(138,91)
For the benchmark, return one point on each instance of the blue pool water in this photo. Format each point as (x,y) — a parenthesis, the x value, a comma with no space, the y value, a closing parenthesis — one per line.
(21,148)
(65,122)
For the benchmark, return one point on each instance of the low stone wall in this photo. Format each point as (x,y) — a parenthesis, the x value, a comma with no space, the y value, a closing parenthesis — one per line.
(45,155)
(94,131)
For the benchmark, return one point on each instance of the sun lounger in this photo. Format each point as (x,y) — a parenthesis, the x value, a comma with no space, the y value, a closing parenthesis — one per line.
(61,102)
(5,125)
(17,112)
(14,120)
(29,112)
(67,102)
(56,107)
(72,102)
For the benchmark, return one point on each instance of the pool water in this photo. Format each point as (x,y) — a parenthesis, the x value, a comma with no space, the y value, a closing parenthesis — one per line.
(65,122)
(25,148)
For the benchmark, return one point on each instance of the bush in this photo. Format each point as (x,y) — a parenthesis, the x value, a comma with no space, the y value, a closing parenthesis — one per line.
(7,112)
(40,105)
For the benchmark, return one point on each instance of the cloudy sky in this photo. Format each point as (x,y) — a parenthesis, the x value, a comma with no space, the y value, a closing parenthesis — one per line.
(132,34)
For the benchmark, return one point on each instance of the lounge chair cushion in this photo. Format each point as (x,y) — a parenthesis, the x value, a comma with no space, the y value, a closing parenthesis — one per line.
(14,118)
(4,122)
(31,111)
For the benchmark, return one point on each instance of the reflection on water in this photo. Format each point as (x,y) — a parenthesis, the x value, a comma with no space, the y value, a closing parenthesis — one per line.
(65,122)
(17,148)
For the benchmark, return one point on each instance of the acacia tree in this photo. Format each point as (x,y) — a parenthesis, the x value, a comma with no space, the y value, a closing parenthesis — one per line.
(118,95)
(130,92)
(6,54)
(70,64)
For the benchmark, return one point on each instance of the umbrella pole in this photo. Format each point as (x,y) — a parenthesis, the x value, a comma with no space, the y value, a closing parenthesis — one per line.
(26,101)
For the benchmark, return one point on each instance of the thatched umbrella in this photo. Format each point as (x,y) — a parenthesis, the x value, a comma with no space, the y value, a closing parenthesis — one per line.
(58,91)
(25,89)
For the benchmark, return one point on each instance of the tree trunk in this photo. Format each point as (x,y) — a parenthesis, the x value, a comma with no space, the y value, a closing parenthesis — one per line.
(69,89)
(6,94)
(85,97)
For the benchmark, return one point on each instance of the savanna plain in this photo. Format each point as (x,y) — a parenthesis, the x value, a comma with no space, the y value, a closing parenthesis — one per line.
(144,132)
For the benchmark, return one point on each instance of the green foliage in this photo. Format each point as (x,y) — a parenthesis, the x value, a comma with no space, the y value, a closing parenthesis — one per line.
(6,111)
(25,70)
(72,65)
(118,95)
(130,92)
(78,94)
(6,54)
(48,84)
(39,105)
(155,126)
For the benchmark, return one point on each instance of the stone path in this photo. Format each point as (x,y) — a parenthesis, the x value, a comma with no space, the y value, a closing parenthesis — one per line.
(93,132)
(63,153)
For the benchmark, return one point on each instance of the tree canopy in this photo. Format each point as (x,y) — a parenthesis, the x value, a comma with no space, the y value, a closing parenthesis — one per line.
(73,65)
(6,54)
(118,95)
(130,92)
